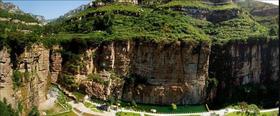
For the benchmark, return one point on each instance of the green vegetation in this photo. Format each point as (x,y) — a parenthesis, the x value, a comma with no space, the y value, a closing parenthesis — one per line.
(127,114)
(174,106)
(70,113)
(91,107)
(19,16)
(116,8)
(274,113)
(61,107)
(80,96)
(117,22)
(6,109)
(263,14)
(236,29)
(246,109)
(17,78)
(165,109)
(96,78)
(68,81)
(34,112)
(62,100)
(197,4)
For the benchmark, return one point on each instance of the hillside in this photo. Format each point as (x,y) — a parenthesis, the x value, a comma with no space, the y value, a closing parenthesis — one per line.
(162,22)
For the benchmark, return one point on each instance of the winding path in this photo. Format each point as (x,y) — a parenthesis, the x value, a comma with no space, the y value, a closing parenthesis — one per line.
(79,109)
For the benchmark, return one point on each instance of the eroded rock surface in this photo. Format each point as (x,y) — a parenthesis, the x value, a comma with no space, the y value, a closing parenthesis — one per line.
(33,68)
(246,71)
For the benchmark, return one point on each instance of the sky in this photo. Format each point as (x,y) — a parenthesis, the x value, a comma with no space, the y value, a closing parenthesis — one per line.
(51,9)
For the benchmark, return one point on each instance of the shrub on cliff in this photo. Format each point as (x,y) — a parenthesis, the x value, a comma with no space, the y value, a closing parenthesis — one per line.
(34,112)
(174,106)
(6,109)
(17,78)
(68,81)
(97,78)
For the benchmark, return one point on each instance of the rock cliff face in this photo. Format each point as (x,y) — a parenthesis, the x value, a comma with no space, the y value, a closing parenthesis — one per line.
(168,73)
(32,70)
(246,71)
(214,16)
(148,72)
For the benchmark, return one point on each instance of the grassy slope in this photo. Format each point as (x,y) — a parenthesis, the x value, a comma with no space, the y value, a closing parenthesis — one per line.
(129,21)
(267,19)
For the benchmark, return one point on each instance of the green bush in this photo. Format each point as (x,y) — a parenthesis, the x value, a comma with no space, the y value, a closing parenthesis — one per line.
(17,78)
(34,112)
(68,81)
(19,16)
(96,78)
(174,106)
(6,109)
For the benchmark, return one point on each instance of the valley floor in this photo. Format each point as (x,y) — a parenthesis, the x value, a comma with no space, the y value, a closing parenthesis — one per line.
(58,105)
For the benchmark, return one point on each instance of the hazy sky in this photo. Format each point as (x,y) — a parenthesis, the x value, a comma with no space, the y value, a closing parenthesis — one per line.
(48,8)
(54,8)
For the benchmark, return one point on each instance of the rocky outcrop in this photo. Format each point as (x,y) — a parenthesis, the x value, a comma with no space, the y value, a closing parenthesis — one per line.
(246,71)
(214,16)
(6,82)
(32,70)
(55,62)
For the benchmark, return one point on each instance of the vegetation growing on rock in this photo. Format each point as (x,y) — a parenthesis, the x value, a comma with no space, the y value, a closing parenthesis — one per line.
(6,109)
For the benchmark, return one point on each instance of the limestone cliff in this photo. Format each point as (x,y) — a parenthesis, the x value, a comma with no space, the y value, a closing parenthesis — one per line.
(147,72)
(24,81)
(246,71)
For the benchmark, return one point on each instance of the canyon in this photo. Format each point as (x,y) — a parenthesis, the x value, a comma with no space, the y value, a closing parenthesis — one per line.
(217,54)
(145,72)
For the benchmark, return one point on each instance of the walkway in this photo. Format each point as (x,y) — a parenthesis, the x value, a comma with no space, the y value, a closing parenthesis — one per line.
(82,109)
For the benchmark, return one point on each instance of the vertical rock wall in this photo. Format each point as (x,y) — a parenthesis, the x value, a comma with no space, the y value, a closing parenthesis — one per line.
(33,68)
(168,72)
(246,71)
(6,82)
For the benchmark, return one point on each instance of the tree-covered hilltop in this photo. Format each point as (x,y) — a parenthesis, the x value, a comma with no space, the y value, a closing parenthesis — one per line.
(264,13)
(164,21)
(18,28)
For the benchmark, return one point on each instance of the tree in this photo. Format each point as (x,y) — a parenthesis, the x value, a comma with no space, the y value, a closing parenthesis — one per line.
(174,107)
(34,112)
(249,110)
